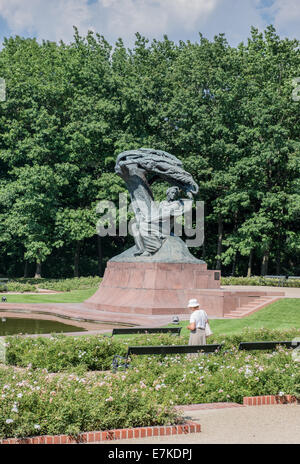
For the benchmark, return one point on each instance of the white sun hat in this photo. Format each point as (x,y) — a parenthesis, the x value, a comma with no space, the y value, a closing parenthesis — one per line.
(193,303)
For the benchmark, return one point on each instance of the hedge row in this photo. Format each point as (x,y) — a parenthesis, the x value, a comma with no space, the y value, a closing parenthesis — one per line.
(96,352)
(260,281)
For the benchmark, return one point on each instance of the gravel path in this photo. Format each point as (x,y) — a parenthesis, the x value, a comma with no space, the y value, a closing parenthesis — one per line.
(278,424)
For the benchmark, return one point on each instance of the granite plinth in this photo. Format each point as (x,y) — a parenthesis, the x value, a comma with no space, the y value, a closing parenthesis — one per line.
(156,288)
(163,283)
(164,288)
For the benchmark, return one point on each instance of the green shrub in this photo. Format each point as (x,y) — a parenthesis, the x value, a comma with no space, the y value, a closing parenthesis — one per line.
(66,285)
(37,403)
(62,285)
(227,376)
(61,352)
(17,287)
(253,335)
(259,281)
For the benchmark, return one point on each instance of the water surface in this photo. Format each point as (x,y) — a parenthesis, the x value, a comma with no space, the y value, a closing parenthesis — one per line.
(17,325)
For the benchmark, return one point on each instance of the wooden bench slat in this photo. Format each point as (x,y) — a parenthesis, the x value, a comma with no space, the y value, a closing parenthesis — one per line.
(172,349)
(144,330)
(267,345)
(274,277)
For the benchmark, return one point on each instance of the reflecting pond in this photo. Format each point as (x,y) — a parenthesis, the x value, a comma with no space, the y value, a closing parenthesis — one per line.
(16,325)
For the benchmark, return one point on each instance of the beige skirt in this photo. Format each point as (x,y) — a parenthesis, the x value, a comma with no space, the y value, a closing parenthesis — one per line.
(197,337)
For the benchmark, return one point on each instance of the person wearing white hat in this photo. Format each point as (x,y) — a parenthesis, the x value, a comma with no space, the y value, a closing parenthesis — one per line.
(198,321)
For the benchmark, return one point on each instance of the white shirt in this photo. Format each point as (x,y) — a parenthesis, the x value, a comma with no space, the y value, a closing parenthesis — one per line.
(200,318)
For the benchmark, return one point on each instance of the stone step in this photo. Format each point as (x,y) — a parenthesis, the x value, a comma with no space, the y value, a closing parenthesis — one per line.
(250,308)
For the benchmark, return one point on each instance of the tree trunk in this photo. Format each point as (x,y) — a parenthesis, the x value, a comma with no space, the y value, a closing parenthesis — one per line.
(265,262)
(278,262)
(220,238)
(76,259)
(249,272)
(38,270)
(99,248)
(233,265)
(26,269)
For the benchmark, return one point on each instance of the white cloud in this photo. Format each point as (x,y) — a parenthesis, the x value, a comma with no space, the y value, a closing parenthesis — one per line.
(234,18)
(152,18)
(113,18)
(179,19)
(46,20)
(287,17)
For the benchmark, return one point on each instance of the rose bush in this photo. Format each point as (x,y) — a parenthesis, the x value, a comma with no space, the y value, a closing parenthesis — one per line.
(34,402)
(61,352)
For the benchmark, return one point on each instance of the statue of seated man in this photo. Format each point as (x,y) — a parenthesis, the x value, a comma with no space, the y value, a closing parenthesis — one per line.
(150,233)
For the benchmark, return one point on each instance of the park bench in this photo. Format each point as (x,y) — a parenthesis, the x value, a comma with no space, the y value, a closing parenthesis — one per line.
(173,349)
(293,277)
(267,345)
(123,362)
(281,279)
(145,330)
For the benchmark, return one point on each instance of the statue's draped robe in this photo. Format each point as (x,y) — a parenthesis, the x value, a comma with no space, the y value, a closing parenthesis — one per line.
(132,166)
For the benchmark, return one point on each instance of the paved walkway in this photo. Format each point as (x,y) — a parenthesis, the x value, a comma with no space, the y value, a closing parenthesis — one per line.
(278,424)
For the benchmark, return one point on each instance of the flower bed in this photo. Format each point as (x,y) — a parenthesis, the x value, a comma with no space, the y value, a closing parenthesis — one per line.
(36,402)
(61,352)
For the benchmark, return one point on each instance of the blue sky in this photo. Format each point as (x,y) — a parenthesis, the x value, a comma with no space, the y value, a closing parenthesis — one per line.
(179,19)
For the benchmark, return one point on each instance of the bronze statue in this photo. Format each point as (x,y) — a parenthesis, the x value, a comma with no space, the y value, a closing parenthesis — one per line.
(154,222)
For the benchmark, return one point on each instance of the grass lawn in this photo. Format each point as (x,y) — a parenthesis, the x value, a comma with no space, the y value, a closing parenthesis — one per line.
(74,296)
(282,314)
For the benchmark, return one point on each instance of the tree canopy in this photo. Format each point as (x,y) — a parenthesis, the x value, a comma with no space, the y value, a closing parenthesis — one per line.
(226,112)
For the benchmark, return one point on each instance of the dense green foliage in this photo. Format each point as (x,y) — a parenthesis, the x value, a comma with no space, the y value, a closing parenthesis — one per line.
(226,112)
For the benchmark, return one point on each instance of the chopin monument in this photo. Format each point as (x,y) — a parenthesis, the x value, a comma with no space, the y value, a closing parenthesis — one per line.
(158,275)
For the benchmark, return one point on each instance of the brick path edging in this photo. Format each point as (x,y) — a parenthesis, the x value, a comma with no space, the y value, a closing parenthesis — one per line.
(269,399)
(156,431)
(108,435)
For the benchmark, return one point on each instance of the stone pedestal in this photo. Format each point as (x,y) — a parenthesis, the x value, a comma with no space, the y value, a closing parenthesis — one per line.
(156,288)
(164,283)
